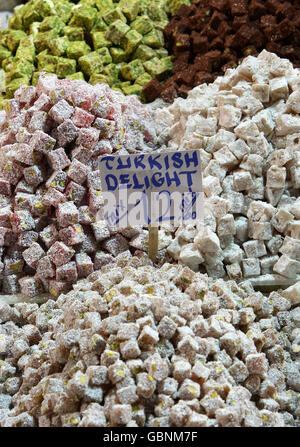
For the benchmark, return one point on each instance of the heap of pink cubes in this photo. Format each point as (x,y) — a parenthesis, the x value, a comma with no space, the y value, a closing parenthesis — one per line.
(52,137)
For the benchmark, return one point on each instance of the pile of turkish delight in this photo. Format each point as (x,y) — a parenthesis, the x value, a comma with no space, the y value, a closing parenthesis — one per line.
(134,345)
(52,137)
(247,128)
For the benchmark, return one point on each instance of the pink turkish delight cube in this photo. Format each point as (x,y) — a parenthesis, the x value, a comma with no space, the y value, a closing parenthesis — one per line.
(38,121)
(89,244)
(22,221)
(81,118)
(43,103)
(23,201)
(31,286)
(75,192)
(22,186)
(5,187)
(27,238)
(61,111)
(67,272)
(12,172)
(42,142)
(72,235)
(84,265)
(5,213)
(16,123)
(33,175)
(8,237)
(94,180)
(49,235)
(11,108)
(60,253)
(45,268)
(58,159)
(81,154)
(46,84)
(78,172)
(107,127)
(53,197)
(33,254)
(88,137)
(13,266)
(58,287)
(25,95)
(67,214)
(96,200)
(116,244)
(86,216)
(102,147)
(23,153)
(83,95)
(101,230)
(57,180)
(102,259)
(66,133)
(23,136)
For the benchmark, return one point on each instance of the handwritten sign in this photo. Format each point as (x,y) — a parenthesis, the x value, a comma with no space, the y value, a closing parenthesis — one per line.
(152,188)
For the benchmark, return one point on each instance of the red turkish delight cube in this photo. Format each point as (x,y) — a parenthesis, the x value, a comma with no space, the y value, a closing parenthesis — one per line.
(116,244)
(38,121)
(33,175)
(67,272)
(11,108)
(5,187)
(25,95)
(45,268)
(58,159)
(57,180)
(66,133)
(84,265)
(81,118)
(23,201)
(78,172)
(33,254)
(30,286)
(23,153)
(60,253)
(101,230)
(96,200)
(5,214)
(103,147)
(42,142)
(72,235)
(43,103)
(86,216)
(61,111)
(81,154)
(27,238)
(94,179)
(11,284)
(83,95)
(49,235)
(75,192)
(88,137)
(102,259)
(23,136)
(107,127)
(22,186)
(67,214)
(53,197)
(12,172)
(13,266)
(22,221)
(58,287)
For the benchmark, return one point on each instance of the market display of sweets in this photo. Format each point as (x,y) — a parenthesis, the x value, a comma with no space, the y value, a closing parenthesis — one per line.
(213,35)
(120,43)
(52,137)
(135,346)
(247,127)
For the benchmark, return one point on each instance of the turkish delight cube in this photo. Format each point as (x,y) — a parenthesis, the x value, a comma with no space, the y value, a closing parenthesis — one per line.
(86,216)
(102,259)
(42,142)
(84,265)
(67,272)
(75,192)
(22,221)
(38,121)
(67,214)
(33,254)
(94,179)
(101,230)
(49,235)
(30,286)
(72,235)
(61,111)
(81,118)
(96,200)
(81,154)
(107,127)
(33,175)
(116,244)
(27,238)
(58,287)
(88,137)
(10,284)
(53,197)
(66,133)
(78,172)
(57,180)
(45,268)
(23,153)
(13,266)
(58,159)
(60,253)
(12,172)
(22,186)
(5,187)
